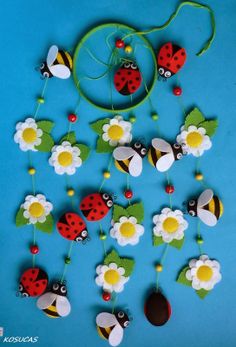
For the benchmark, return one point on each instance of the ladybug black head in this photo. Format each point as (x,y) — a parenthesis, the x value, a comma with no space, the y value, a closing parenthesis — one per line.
(23,291)
(45,70)
(107,199)
(192,207)
(177,151)
(59,289)
(163,72)
(130,65)
(140,149)
(123,319)
(82,236)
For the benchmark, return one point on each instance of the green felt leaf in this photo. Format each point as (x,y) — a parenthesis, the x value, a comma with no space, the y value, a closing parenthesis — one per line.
(177,243)
(97,126)
(194,118)
(20,219)
(182,277)
(112,257)
(46,144)
(137,211)
(47,226)
(210,126)
(157,240)
(103,146)
(128,265)
(45,125)
(70,137)
(85,150)
(202,293)
(119,211)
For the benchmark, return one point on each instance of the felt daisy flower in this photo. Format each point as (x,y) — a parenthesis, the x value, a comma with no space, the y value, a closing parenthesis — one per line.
(36,208)
(204,273)
(117,131)
(127,231)
(194,140)
(65,158)
(170,225)
(111,277)
(28,135)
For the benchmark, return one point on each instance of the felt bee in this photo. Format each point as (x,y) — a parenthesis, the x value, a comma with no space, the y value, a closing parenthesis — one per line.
(130,159)
(33,282)
(157,309)
(128,78)
(72,227)
(55,303)
(96,206)
(207,207)
(111,326)
(162,155)
(58,64)
(170,60)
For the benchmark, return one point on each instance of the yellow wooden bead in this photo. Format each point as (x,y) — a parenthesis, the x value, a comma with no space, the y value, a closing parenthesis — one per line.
(106,174)
(70,192)
(128,49)
(132,119)
(40,100)
(103,237)
(200,241)
(159,268)
(155,116)
(199,176)
(31,171)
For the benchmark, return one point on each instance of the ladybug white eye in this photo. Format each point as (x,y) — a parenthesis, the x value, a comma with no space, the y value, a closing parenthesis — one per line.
(137,145)
(167,74)
(127,65)
(46,74)
(78,239)
(161,71)
(179,156)
(42,66)
(20,287)
(192,213)
(105,196)
(109,203)
(121,314)
(84,233)
(134,66)
(63,289)
(143,151)
(191,202)
(126,324)
(25,295)
(55,286)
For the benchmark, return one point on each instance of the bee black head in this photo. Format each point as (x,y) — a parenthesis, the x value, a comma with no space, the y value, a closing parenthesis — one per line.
(45,70)
(140,149)
(23,292)
(178,151)
(192,207)
(163,72)
(107,198)
(123,319)
(83,236)
(59,289)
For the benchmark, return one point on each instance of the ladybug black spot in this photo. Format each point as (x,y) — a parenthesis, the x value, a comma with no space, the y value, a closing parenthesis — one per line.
(32,271)
(35,293)
(118,72)
(75,231)
(68,236)
(168,64)
(44,282)
(137,78)
(80,223)
(27,287)
(83,205)
(24,278)
(99,204)
(37,285)
(31,279)
(167,46)
(175,58)
(91,198)
(168,55)
(60,228)
(117,84)
(72,223)
(92,218)
(130,82)
(123,79)
(178,66)
(67,228)
(95,210)
(182,53)
(69,216)
(133,88)
(102,213)
(161,58)
(129,72)
(90,205)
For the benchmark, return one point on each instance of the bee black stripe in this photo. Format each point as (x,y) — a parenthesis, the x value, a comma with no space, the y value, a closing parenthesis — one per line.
(51,313)
(104,332)
(64,57)
(217,207)
(123,166)
(153,155)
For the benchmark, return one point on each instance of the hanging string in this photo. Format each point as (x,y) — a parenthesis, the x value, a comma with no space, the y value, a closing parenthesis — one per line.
(168,182)
(103,237)
(34,243)
(108,169)
(66,264)
(40,98)
(162,260)
(199,237)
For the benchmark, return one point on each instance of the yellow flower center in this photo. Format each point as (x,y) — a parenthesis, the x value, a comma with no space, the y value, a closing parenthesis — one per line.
(115,132)
(29,135)
(65,158)
(194,139)
(127,229)
(112,277)
(170,225)
(204,273)
(36,209)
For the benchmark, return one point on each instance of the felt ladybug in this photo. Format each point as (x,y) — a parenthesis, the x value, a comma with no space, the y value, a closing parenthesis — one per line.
(33,282)
(128,78)
(72,227)
(170,60)
(95,206)
(157,309)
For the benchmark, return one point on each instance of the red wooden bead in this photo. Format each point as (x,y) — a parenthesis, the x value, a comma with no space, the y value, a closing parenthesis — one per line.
(72,117)
(170,189)
(128,194)
(34,249)
(120,43)
(106,296)
(177,91)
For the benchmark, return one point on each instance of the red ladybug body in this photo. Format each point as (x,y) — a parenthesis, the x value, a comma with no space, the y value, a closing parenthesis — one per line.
(157,309)
(128,78)
(33,282)
(170,59)
(95,206)
(72,227)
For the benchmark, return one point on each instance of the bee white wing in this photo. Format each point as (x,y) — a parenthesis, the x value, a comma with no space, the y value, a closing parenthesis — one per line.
(46,300)
(205,197)
(52,54)
(63,306)
(161,145)
(106,319)
(60,71)
(165,162)
(116,335)
(207,217)
(136,165)
(122,153)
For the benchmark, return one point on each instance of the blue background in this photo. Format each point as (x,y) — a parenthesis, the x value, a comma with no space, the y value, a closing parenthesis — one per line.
(27,29)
